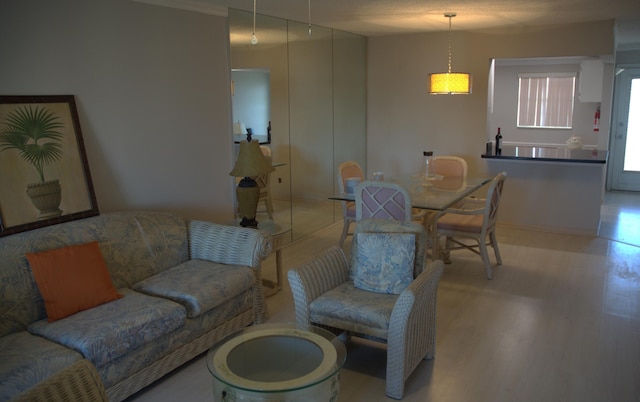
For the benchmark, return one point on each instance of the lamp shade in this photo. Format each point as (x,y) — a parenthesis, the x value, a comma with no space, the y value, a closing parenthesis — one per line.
(450,83)
(251,162)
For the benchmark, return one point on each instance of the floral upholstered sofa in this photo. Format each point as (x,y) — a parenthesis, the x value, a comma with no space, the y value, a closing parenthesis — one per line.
(179,287)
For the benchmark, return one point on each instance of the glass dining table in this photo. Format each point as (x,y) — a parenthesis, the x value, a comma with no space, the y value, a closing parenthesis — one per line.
(433,194)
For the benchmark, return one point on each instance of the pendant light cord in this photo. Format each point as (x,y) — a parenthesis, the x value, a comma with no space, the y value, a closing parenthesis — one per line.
(254,18)
(309,18)
(254,39)
(450,16)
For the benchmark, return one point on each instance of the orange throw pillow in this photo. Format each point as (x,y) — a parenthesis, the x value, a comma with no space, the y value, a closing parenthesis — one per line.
(72,279)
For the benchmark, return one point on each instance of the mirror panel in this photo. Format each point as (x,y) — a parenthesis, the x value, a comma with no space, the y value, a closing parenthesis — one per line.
(311,129)
(317,110)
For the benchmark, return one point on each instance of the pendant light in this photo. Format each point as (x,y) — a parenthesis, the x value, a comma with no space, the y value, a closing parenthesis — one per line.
(254,39)
(450,83)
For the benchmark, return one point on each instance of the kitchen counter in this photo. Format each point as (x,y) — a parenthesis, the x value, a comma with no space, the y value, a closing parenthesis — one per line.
(554,189)
(550,154)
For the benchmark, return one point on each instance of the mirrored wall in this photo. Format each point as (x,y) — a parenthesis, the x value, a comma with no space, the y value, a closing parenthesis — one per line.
(317,111)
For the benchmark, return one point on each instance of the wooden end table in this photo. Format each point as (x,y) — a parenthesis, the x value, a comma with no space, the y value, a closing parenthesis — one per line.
(277,232)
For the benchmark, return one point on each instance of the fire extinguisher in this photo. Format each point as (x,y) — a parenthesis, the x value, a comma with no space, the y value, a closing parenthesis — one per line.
(596,120)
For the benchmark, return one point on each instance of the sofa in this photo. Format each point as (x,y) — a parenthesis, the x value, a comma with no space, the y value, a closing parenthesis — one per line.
(182,286)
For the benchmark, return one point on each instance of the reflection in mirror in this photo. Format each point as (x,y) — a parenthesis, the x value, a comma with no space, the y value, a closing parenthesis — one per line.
(317,110)
(269,55)
(250,104)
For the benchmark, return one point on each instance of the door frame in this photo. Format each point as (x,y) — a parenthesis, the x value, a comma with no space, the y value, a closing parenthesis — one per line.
(619,123)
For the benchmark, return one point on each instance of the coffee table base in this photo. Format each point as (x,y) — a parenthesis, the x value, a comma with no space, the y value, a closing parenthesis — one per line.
(325,391)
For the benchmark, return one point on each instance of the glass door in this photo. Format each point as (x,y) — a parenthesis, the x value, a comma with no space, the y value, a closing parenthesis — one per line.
(625,143)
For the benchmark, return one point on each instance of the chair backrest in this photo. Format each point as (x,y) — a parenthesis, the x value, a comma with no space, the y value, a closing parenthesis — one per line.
(347,170)
(263,180)
(448,166)
(382,200)
(494,194)
(389,226)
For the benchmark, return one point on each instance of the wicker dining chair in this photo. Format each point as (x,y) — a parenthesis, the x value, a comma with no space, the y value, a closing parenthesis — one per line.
(265,185)
(475,220)
(383,200)
(346,170)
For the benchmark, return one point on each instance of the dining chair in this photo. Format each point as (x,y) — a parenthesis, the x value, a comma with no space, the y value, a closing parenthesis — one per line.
(347,170)
(383,200)
(447,166)
(386,293)
(264,184)
(475,220)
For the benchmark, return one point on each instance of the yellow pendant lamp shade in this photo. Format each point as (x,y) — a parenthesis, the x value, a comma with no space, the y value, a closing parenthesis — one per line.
(450,83)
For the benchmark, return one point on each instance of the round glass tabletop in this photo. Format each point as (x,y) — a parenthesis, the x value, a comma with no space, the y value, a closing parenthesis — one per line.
(279,361)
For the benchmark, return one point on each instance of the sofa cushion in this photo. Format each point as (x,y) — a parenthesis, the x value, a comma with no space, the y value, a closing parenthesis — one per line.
(110,330)
(72,279)
(27,360)
(199,285)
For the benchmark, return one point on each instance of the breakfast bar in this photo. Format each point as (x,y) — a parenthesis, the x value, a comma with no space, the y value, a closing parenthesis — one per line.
(551,188)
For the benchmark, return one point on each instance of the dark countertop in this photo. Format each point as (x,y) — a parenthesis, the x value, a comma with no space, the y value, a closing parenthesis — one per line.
(550,154)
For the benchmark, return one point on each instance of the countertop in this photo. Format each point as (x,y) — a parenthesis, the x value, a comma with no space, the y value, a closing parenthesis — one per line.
(550,154)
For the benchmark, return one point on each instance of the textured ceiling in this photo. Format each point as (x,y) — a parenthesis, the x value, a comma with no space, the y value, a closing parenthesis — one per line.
(381,17)
(385,17)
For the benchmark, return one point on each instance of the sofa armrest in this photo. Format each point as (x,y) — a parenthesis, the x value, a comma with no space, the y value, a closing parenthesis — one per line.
(315,277)
(227,244)
(78,382)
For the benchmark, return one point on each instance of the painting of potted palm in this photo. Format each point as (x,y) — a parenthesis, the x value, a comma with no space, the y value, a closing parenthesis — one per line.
(33,132)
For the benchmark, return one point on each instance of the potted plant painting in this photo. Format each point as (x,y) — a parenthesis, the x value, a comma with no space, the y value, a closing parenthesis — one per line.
(33,133)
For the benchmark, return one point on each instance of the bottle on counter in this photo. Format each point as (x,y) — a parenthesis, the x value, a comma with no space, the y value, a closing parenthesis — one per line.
(426,163)
(498,142)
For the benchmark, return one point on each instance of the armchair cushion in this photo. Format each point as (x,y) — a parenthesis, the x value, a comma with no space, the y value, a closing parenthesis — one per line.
(384,261)
(354,310)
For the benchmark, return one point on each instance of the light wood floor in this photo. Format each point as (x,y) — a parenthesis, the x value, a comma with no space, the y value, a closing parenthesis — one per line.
(560,321)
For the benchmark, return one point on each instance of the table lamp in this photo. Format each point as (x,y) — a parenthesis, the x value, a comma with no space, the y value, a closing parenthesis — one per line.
(250,164)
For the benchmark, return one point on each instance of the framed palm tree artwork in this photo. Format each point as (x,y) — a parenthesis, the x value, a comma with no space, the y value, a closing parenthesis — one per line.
(44,173)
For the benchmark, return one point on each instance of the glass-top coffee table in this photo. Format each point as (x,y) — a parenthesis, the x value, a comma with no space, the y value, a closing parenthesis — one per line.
(277,362)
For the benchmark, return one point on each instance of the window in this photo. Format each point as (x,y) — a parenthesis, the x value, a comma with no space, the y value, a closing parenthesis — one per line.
(546,100)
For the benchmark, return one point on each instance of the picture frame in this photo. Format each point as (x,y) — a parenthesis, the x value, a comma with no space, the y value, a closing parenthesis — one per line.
(45,177)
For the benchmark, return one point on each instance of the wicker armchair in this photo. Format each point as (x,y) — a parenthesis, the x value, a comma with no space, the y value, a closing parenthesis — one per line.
(79,382)
(325,295)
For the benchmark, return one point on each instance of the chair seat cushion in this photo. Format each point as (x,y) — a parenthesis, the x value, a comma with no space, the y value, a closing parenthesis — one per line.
(199,285)
(110,330)
(353,309)
(461,223)
(351,209)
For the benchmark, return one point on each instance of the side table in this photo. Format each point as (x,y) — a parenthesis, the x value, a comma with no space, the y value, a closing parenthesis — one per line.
(277,232)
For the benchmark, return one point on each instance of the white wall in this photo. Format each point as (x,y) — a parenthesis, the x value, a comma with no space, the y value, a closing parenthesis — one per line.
(505,106)
(403,119)
(152,89)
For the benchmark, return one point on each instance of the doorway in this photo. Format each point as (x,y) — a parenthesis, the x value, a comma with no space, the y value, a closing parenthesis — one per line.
(625,138)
